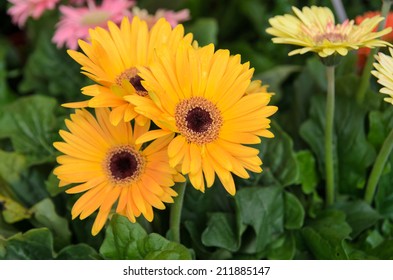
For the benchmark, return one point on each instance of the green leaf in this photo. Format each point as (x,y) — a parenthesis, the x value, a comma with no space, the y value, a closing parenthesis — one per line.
(42,73)
(325,235)
(381,124)
(30,123)
(78,252)
(156,247)
(221,232)
(35,244)
(359,215)
(384,251)
(12,211)
(284,248)
(127,240)
(52,185)
(316,70)
(308,176)
(6,230)
(294,212)
(31,188)
(276,76)
(279,159)
(263,210)
(45,216)
(11,166)
(352,154)
(205,31)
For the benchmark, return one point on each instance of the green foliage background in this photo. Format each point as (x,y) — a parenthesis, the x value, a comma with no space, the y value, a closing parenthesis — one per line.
(278,214)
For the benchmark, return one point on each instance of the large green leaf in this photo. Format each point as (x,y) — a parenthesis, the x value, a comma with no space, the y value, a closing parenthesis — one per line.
(263,210)
(308,176)
(359,215)
(276,76)
(293,212)
(31,125)
(381,123)
(6,230)
(222,232)
(324,236)
(127,240)
(45,216)
(283,248)
(51,70)
(78,252)
(22,184)
(279,159)
(35,244)
(384,251)
(12,211)
(11,166)
(352,153)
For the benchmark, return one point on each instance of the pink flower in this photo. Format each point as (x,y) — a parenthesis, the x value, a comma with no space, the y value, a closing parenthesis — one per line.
(171,16)
(21,10)
(75,22)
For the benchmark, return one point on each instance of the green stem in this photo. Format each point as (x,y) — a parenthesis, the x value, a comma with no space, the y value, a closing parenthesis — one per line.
(365,79)
(378,168)
(329,165)
(175,214)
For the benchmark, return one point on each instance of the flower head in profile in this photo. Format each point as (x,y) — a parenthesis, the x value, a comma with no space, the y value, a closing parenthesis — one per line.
(111,59)
(109,168)
(174,18)
(314,29)
(75,22)
(384,73)
(21,10)
(199,95)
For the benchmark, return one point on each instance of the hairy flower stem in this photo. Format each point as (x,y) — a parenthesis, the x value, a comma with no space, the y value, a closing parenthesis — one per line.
(329,165)
(378,167)
(365,79)
(175,213)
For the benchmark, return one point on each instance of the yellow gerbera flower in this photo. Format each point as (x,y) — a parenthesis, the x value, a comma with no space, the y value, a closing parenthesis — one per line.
(200,95)
(384,73)
(111,59)
(315,30)
(105,163)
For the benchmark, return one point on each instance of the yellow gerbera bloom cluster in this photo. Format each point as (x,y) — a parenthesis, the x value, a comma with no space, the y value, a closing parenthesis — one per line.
(203,103)
(314,29)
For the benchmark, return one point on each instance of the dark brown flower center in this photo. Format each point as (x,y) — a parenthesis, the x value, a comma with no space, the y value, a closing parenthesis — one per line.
(136,82)
(198,120)
(123,164)
(132,76)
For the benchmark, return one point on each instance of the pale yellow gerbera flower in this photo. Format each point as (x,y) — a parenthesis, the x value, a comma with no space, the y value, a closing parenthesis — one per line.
(314,29)
(111,59)
(105,163)
(200,95)
(384,73)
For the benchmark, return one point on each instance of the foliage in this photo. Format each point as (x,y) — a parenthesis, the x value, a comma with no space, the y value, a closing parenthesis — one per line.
(278,214)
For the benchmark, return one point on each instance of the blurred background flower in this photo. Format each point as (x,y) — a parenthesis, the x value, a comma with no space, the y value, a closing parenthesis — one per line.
(21,10)
(75,22)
